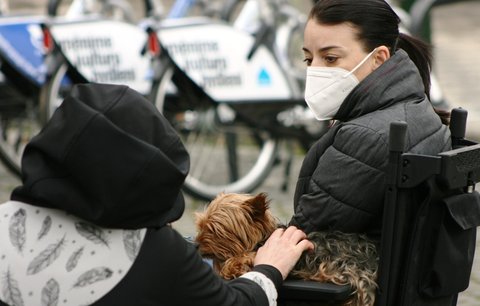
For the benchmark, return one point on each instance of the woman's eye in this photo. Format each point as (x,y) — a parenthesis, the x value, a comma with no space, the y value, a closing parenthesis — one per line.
(330,59)
(308,61)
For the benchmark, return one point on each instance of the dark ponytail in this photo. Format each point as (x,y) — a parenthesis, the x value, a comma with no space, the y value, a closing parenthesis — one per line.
(378,25)
(421,54)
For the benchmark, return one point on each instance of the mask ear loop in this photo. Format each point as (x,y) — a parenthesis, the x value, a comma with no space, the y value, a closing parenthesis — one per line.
(361,63)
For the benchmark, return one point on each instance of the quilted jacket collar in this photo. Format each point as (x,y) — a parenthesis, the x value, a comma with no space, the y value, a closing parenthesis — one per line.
(395,81)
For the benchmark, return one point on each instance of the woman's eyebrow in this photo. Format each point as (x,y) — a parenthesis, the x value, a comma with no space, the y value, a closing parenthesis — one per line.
(327,48)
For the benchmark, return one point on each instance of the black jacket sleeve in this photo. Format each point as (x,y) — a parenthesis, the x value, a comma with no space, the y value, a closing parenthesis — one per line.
(169,271)
(195,283)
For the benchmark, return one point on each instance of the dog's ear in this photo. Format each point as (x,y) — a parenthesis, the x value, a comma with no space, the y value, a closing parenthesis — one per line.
(259,205)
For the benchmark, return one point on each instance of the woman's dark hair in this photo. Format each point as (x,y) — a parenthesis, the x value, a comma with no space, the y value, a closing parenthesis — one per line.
(378,25)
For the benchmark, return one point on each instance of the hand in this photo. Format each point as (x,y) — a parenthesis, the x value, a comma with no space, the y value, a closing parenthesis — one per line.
(283,249)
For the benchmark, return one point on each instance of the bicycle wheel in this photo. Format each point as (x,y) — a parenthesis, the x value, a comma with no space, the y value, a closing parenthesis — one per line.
(19,122)
(226,155)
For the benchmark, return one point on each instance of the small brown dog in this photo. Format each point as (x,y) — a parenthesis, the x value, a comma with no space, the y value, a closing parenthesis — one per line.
(234,226)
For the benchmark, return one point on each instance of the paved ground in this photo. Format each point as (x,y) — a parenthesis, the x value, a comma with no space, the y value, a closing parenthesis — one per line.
(457,41)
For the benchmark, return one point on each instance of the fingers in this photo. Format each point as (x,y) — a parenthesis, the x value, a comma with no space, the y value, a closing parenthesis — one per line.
(306,245)
(283,249)
(277,233)
(294,236)
(299,238)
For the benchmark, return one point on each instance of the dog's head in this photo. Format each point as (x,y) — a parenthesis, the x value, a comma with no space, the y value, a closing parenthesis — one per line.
(232,227)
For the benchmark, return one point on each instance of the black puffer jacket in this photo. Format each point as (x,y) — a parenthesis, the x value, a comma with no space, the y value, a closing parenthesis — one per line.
(341,184)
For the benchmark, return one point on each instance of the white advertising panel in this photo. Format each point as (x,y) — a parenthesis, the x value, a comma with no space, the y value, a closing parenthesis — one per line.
(215,56)
(106,51)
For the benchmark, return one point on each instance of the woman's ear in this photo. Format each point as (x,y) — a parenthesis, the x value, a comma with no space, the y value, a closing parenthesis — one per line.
(381,55)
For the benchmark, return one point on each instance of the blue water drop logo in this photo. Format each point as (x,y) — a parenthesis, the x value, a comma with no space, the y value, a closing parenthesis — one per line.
(264,78)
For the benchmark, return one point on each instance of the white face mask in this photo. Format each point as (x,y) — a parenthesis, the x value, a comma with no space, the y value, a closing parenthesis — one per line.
(327,87)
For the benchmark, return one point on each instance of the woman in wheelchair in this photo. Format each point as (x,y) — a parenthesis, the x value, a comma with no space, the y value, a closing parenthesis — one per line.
(362,74)
(418,206)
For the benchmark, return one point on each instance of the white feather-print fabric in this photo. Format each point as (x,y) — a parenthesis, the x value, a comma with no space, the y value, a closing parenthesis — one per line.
(50,258)
(266,284)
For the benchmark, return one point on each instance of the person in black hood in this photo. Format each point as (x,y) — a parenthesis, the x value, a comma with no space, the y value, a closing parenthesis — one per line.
(362,74)
(90,224)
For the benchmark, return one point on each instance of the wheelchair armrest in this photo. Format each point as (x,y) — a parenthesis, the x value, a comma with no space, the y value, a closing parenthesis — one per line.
(301,290)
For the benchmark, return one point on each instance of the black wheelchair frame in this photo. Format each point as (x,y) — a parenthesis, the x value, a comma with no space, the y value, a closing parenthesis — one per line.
(430,221)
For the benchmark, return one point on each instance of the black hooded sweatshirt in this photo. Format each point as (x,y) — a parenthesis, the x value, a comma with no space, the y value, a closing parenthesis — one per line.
(90,224)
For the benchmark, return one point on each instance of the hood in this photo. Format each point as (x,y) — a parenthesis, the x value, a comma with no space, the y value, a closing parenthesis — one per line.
(109,157)
(396,80)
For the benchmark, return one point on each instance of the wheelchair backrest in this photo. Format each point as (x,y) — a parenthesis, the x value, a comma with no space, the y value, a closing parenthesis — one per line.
(430,217)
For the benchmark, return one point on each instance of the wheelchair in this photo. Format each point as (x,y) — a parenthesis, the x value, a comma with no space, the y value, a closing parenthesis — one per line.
(430,220)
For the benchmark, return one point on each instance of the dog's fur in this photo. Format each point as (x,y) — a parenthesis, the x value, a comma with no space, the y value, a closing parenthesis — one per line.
(233,226)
